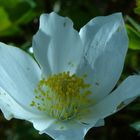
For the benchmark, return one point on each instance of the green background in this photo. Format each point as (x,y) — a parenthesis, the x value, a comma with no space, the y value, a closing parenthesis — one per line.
(19,22)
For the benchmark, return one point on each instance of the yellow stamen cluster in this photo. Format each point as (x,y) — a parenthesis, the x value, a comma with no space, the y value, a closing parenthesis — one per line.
(62,95)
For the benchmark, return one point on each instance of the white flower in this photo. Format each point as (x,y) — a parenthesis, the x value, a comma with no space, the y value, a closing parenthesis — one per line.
(70,92)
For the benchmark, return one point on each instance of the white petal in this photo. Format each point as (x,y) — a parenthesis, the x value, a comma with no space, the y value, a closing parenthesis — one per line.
(67,135)
(11,109)
(65,49)
(65,130)
(100,122)
(106,43)
(124,94)
(19,75)
(40,44)
(42,123)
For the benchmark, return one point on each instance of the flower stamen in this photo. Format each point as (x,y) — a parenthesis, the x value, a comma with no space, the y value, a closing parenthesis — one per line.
(62,95)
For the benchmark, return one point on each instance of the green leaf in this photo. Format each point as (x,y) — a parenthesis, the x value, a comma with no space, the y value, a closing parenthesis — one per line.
(4,20)
(9,3)
(137,9)
(12,30)
(134,38)
(133,23)
(26,13)
(14,13)
(136,126)
(27,17)
(18,11)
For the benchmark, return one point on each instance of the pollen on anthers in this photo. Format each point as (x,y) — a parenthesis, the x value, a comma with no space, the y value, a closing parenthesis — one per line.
(62,96)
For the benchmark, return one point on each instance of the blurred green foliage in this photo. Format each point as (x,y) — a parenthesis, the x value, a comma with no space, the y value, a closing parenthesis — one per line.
(136,125)
(134,33)
(14,13)
(18,23)
(137,9)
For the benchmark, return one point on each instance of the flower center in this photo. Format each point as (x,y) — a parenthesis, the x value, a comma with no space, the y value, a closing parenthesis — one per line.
(62,95)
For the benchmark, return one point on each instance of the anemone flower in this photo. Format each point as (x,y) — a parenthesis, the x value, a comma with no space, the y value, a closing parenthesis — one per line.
(70,87)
